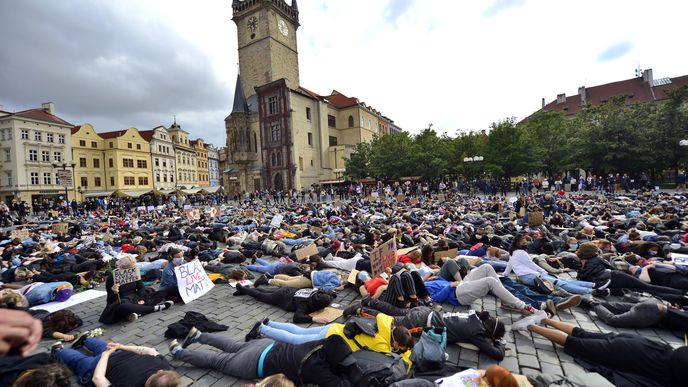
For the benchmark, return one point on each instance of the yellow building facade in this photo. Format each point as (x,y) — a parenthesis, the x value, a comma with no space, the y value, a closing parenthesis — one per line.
(88,153)
(128,161)
(202,171)
(186,157)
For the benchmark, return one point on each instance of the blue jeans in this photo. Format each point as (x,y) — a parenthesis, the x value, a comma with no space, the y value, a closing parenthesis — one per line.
(526,294)
(571,286)
(294,242)
(293,334)
(266,266)
(82,365)
(146,266)
(44,293)
(496,264)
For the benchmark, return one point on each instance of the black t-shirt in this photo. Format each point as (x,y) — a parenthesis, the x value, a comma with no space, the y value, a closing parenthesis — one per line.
(286,359)
(128,369)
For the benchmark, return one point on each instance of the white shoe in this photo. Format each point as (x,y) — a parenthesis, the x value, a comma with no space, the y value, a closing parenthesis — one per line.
(534,319)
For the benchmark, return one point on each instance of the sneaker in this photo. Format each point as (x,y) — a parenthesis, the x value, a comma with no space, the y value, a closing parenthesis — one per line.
(550,307)
(604,285)
(133,317)
(174,347)
(522,324)
(262,280)
(600,292)
(569,303)
(80,340)
(191,337)
(55,348)
(269,276)
(351,309)
(167,304)
(254,333)
(239,290)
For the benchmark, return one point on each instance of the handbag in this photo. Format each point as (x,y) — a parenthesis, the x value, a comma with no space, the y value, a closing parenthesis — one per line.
(543,286)
(428,353)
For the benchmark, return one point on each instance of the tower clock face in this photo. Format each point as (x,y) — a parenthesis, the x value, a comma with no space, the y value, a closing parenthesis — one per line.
(252,24)
(282,25)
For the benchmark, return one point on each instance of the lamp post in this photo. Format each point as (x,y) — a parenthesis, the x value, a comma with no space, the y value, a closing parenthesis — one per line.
(64,166)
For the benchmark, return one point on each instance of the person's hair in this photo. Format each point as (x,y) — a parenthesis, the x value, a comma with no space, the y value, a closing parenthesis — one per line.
(633,259)
(13,299)
(427,254)
(47,375)
(237,274)
(514,244)
(497,376)
(277,380)
(172,252)
(126,263)
(163,378)
(62,321)
(494,328)
(403,337)
(321,300)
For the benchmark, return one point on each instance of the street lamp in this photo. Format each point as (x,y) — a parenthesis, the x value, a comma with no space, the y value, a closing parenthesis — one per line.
(64,168)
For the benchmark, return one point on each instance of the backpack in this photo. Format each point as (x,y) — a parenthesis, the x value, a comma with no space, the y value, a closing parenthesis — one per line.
(428,353)
(375,369)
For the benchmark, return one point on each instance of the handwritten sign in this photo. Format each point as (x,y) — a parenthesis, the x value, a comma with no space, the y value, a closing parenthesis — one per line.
(316,230)
(192,280)
(214,212)
(413,201)
(328,313)
(150,208)
(406,250)
(276,220)
(441,197)
(192,214)
(21,234)
(60,228)
(383,257)
(446,253)
(401,197)
(249,213)
(125,276)
(141,208)
(306,252)
(352,277)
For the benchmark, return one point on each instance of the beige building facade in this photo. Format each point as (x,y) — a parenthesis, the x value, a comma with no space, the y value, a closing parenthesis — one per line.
(186,157)
(34,144)
(163,158)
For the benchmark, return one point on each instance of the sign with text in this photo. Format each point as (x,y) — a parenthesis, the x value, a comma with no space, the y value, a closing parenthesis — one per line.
(276,220)
(306,252)
(453,253)
(193,214)
(401,197)
(329,313)
(441,197)
(249,213)
(125,276)
(383,257)
(60,228)
(64,178)
(192,280)
(21,234)
(413,201)
(214,212)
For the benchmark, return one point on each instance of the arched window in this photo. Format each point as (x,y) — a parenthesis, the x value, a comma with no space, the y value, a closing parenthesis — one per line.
(279,158)
(241,137)
(248,139)
(351,121)
(272,159)
(255,142)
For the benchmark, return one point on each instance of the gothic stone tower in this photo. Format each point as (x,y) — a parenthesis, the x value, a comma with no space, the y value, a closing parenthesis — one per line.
(266,33)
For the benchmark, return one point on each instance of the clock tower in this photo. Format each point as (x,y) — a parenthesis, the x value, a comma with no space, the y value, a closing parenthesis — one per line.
(266,33)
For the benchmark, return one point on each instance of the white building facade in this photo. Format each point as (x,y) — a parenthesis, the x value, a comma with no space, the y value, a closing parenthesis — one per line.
(163,157)
(214,165)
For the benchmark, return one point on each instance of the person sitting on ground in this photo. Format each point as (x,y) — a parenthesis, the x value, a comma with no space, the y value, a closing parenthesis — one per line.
(127,301)
(300,301)
(316,362)
(636,360)
(114,364)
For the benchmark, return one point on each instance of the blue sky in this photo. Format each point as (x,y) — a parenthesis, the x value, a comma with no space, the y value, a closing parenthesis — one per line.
(460,65)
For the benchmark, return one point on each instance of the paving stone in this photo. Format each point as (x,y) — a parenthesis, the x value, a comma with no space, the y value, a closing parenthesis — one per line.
(528,361)
(550,368)
(571,368)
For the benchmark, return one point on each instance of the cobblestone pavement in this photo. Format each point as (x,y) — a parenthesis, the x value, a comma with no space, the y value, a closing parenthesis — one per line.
(525,354)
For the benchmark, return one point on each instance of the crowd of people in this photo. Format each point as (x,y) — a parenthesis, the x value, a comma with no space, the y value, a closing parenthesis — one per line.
(621,259)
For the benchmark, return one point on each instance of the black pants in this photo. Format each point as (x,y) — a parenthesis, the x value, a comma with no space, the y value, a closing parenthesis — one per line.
(404,286)
(622,281)
(280,297)
(629,315)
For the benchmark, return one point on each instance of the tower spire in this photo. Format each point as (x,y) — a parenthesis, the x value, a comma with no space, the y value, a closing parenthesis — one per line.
(294,5)
(240,104)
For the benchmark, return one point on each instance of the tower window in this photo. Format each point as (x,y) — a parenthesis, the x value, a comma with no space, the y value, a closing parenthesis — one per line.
(275,132)
(308,113)
(351,121)
(310,139)
(331,121)
(273,106)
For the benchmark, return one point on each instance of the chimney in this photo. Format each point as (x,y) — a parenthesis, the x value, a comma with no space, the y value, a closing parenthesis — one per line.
(647,76)
(543,102)
(583,95)
(48,107)
(561,98)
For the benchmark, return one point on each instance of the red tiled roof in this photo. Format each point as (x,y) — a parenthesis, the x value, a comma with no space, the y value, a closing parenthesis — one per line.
(311,93)
(635,90)
(76,129)
(116,133)
(341,101)
(147,134)
(41,115)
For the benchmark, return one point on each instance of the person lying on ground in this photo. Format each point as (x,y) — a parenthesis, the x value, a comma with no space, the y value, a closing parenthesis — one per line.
(300,301)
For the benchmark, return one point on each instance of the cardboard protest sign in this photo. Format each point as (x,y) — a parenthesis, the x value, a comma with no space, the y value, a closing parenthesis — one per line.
(328,313)
(192,213)
(21,234)
(187,206)
(192,280)
(60,228)
(447,253)
(441,197)
(352,277)
(276,220)
(214,212)
(141,208)
(413,201)
(375,194)
(150,208)
(406,250)
(125,276)
(338,204)
(383,257)
(316,230)
(249,213)
(306,252)
(401,197)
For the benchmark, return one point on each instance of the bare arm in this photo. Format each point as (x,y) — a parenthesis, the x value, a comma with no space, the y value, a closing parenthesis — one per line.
(134,348)
(99,379)
(379,291)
